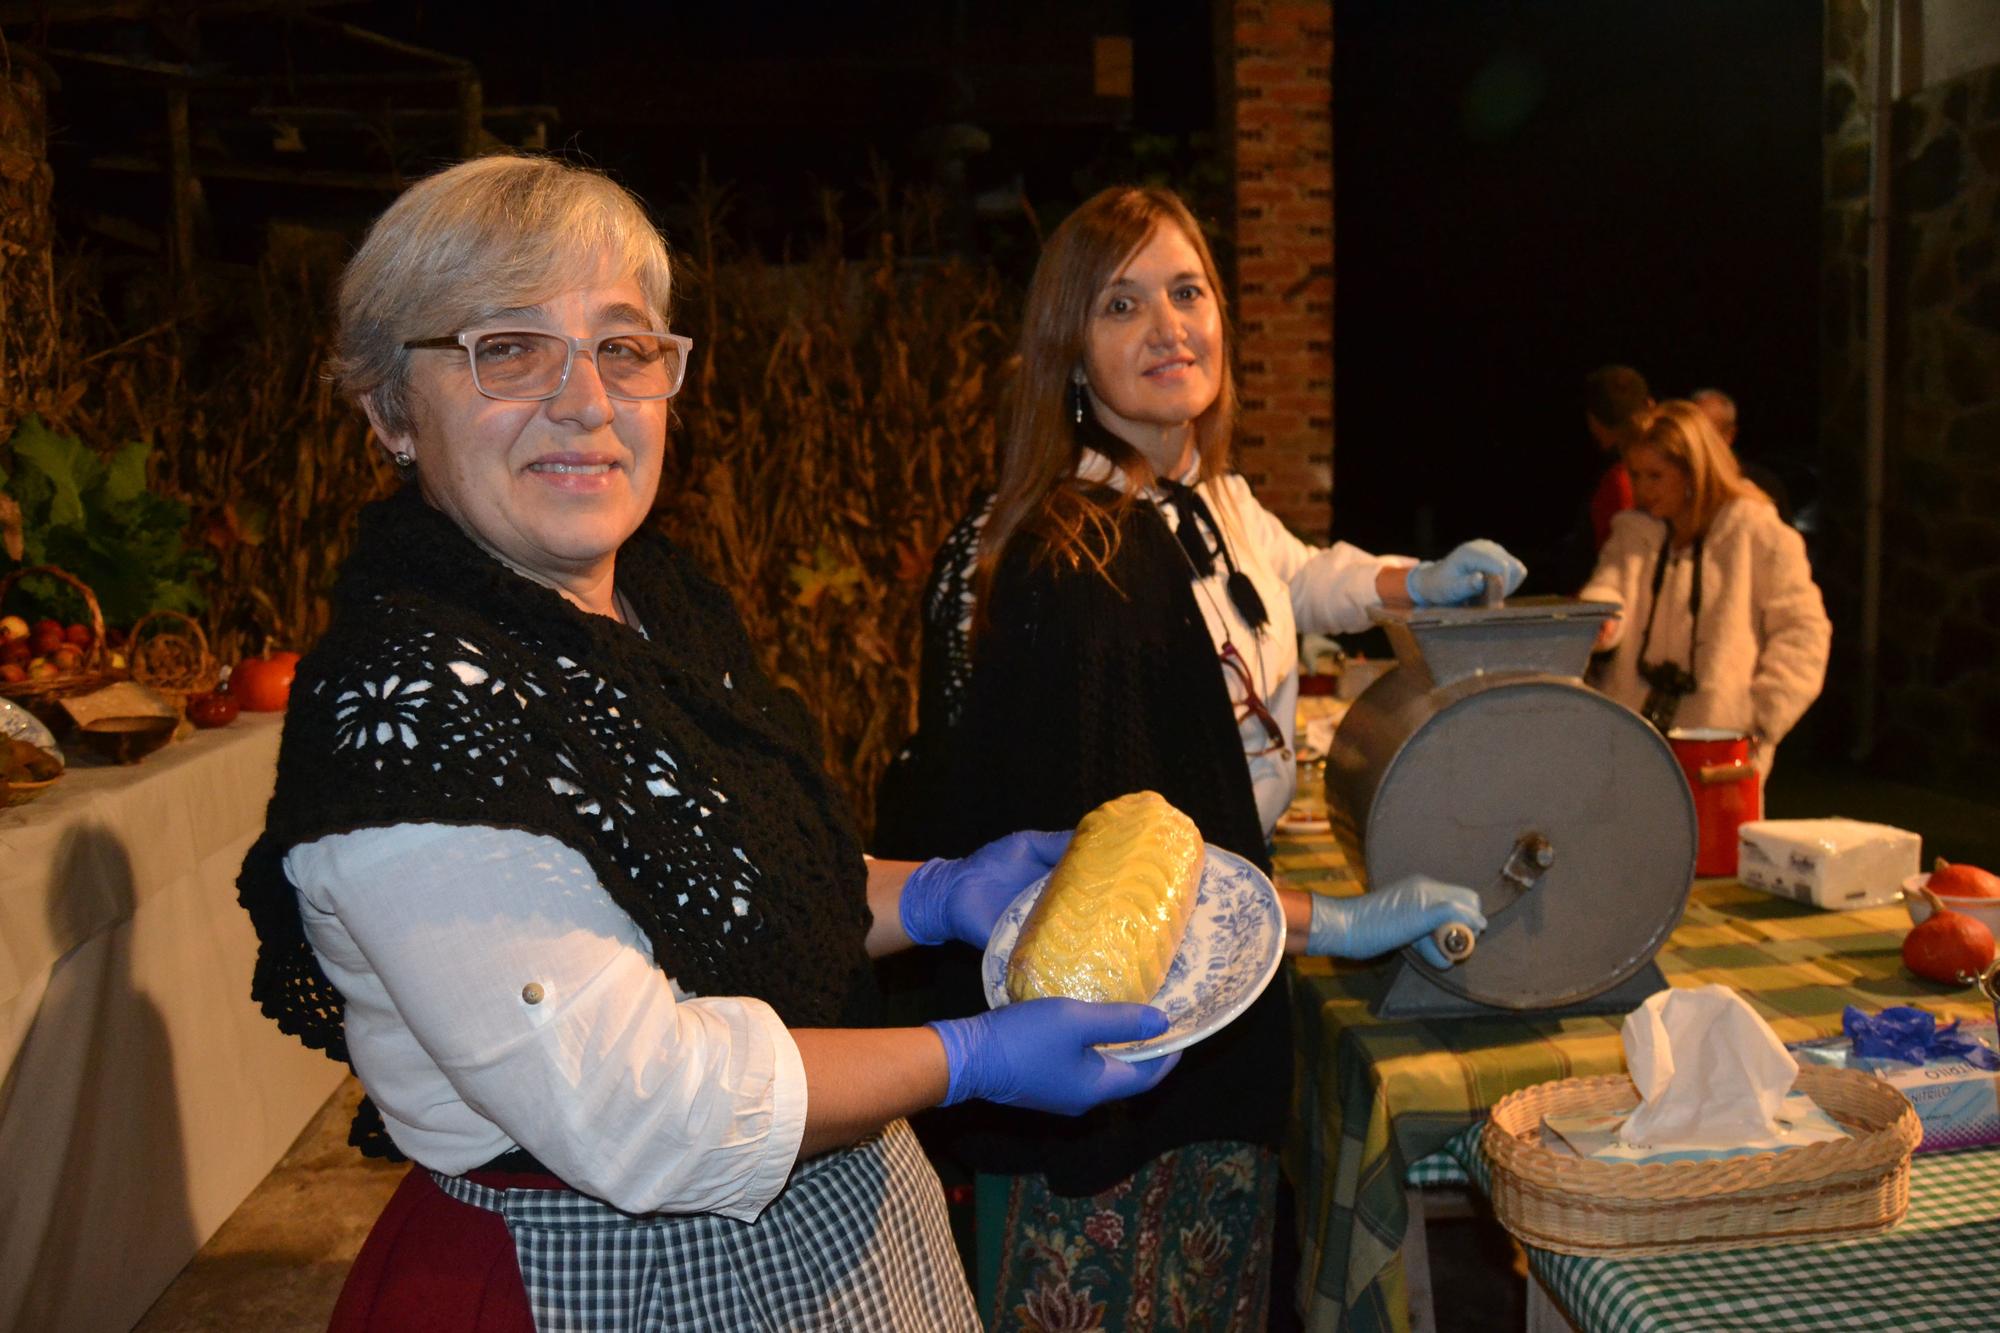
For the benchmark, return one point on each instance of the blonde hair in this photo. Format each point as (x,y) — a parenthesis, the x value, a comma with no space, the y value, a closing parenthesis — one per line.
(1040,446)
(480,237)
(1682,434)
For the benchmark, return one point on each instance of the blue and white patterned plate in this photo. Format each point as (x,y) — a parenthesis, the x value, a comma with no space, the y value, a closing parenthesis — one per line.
(1230,952)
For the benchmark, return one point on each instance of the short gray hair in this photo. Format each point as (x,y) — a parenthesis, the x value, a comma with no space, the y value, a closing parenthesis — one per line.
(486,235)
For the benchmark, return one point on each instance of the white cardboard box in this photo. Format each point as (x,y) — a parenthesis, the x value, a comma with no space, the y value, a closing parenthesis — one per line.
(1834,863)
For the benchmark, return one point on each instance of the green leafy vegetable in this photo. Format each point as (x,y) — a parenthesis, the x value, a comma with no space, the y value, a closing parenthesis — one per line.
(95,517)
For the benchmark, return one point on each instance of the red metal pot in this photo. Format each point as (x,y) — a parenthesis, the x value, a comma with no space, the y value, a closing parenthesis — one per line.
(1728,791)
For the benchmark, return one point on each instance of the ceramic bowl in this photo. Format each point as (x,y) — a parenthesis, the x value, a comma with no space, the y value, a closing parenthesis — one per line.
(1986,909)
(20,793)
(126,740)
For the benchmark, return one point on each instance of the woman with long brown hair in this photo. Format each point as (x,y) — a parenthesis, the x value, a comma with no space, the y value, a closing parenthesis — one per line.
(1130,622)
(1732,634)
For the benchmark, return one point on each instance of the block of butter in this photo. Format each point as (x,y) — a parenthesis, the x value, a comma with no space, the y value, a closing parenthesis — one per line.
(1107,925)
(1837,863)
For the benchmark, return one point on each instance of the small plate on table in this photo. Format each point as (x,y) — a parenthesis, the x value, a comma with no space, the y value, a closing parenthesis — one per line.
(1229,953)
(1302,819)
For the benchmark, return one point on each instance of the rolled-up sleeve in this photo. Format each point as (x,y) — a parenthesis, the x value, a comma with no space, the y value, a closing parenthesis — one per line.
(1332,587)
(536,1000)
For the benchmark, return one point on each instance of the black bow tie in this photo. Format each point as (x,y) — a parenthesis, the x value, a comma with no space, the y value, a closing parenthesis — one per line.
(1201,538)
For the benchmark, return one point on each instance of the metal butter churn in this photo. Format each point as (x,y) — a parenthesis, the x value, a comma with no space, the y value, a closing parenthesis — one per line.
(1483,759)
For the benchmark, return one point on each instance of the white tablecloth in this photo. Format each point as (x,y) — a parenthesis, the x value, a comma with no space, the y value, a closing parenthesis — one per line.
(142,1095)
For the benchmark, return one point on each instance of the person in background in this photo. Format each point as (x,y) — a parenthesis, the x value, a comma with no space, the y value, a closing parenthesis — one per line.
(1124,615)
(559,869)
(1616,403)
(1721,410)
(1721,624)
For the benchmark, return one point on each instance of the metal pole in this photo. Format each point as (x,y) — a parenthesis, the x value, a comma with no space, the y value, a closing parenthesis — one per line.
(1881,156)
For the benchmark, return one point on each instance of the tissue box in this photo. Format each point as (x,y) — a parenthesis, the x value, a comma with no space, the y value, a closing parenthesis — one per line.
(1836,863)
(1958,1104)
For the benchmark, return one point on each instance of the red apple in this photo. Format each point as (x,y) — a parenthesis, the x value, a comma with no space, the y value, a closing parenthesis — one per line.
(12,672)
(16,650)
(46,637)
(13,627)
(79,635)
(1959,880)
(217,708)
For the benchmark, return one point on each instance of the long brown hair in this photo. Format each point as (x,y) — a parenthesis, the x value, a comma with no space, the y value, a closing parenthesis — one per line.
(1683,434)
(1040,443)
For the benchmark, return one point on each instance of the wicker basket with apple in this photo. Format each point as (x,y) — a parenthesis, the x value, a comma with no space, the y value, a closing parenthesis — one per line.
(43,662)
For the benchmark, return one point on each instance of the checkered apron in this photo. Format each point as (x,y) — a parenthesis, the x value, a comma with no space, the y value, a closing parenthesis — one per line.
(856,1241)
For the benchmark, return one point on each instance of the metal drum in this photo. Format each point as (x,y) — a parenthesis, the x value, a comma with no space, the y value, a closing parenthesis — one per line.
(1483,759)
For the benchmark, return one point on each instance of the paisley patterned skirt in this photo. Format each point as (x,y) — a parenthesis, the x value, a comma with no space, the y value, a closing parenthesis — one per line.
(1183,1244)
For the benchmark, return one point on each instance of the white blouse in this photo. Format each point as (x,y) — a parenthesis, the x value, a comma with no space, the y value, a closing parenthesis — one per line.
(497,996)
(1306,590)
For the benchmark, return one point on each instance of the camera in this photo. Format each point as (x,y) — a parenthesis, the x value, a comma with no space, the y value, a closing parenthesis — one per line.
(1667,684)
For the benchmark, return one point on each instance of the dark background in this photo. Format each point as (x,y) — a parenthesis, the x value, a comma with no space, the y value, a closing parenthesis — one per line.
(1523,191)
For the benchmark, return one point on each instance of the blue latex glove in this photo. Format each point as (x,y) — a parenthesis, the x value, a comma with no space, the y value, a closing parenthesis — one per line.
(1404,913)
(1038,1054)
(1912,1036)
(1461,576)
(960,900)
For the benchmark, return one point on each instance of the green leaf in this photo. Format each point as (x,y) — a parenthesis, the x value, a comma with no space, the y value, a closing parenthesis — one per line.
(125,479)
(95,518)
(64,461)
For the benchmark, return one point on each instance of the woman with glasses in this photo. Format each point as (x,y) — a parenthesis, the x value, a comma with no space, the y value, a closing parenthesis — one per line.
(558,870)
(1723,626)
(1124,615)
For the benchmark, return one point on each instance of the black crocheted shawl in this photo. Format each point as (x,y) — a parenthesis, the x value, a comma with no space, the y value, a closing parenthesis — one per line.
(451,690)
(1083,688)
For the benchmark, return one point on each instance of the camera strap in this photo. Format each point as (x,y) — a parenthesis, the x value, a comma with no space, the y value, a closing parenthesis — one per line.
(1694,603)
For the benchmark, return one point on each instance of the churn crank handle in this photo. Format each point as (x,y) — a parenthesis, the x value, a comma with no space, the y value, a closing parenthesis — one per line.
(1454,940)
(1531,855)
(1493,594)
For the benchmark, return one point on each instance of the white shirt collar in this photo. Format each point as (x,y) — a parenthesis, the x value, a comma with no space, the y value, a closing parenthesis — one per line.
(1099,470)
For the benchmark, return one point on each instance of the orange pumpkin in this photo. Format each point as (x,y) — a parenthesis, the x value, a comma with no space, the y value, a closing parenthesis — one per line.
(1949,946)
(264,684)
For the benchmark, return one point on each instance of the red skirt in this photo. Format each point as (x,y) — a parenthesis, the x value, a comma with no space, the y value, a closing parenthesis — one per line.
(434,1265)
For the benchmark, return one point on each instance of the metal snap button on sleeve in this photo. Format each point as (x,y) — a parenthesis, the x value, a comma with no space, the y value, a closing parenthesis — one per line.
(532,993)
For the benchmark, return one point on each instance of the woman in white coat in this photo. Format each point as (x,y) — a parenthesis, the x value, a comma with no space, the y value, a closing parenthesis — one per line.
(1722,625)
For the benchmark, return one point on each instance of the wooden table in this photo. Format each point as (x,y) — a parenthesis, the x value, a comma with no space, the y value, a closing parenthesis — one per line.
(1373,1099)
(142,1095)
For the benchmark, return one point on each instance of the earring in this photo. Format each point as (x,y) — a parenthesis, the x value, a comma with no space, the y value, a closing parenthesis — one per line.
(1076,400)
(402,459)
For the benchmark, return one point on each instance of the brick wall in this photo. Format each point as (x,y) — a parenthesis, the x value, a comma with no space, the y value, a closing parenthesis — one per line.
(1281,63)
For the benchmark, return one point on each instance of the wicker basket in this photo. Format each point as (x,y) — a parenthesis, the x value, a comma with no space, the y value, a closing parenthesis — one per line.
(40,696)
(169,655)
(1823,1191)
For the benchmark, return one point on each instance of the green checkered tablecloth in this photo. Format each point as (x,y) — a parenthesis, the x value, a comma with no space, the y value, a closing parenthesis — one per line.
(1372,1099)
(1937,1272)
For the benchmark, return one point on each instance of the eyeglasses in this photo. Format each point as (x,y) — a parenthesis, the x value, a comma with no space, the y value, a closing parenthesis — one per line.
(519,366)
(1252,706)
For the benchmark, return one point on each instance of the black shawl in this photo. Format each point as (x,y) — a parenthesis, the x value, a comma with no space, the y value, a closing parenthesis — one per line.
(451,690)
(1084,688)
